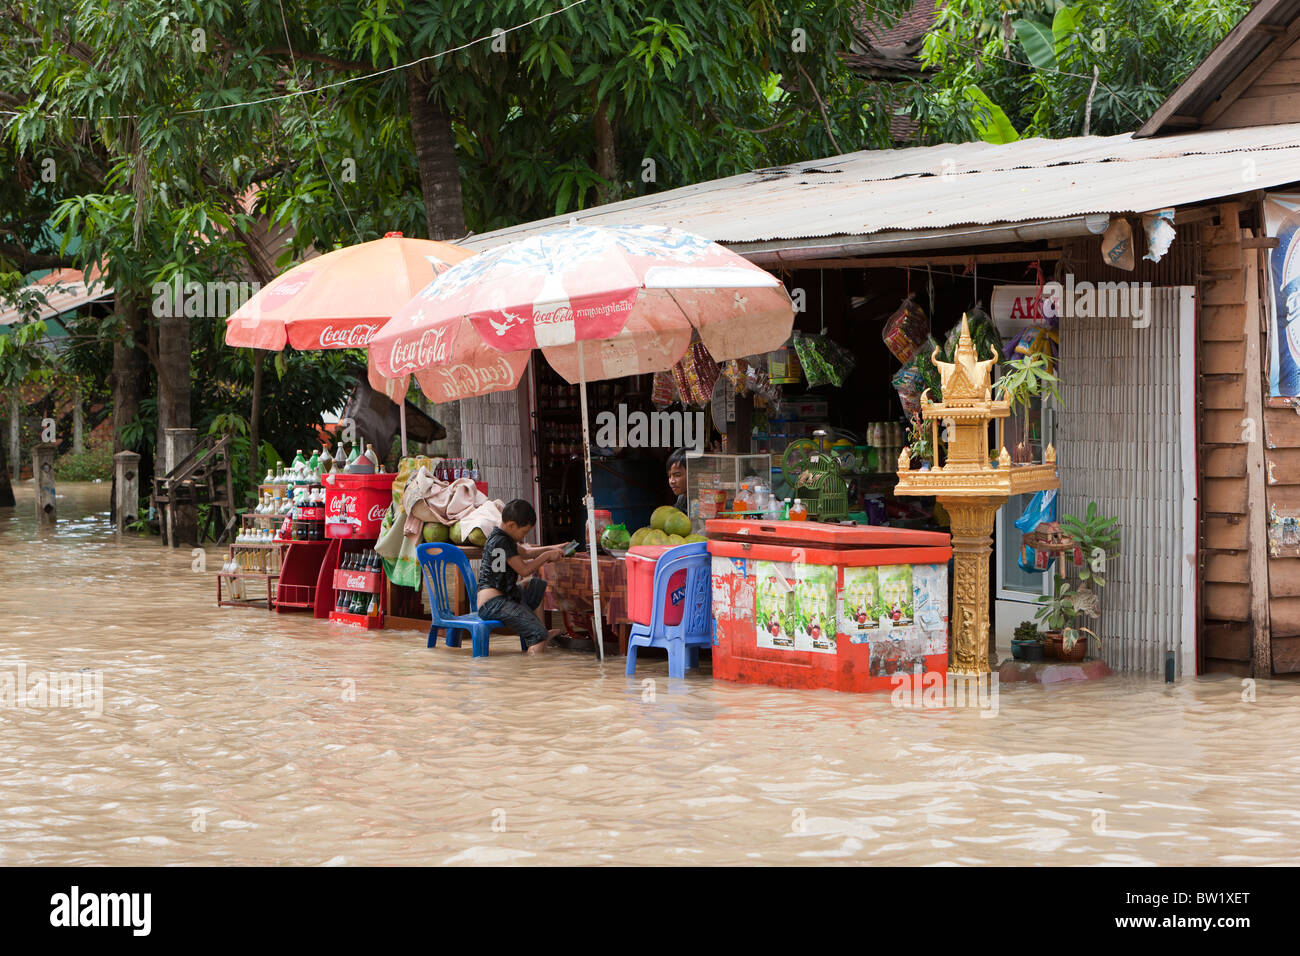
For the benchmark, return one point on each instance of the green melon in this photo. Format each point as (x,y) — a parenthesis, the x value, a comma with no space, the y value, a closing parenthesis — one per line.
(659,519)
(638,537)
(695,537)
(675,539)
(677,524)
(655,538)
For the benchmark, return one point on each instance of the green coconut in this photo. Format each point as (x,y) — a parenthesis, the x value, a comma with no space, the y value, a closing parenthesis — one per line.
(435,532)
(456,537)
(661,515)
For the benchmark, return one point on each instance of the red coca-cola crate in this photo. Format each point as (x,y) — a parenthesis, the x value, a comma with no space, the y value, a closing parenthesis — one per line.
(355,504)
(358,620)
(311,513)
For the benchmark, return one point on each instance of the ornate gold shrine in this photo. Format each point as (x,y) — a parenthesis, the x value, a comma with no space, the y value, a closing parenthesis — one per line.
(971,489)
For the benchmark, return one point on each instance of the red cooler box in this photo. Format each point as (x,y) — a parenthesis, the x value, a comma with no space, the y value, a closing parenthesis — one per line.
(355,504)
(641,563)
(806,604)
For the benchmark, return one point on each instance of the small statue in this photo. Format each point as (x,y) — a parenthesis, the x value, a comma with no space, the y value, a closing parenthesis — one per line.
(1050,455)
(905,458)
(1004,459)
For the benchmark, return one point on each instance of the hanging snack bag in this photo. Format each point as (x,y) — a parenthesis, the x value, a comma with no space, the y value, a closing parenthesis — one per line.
(906,330)
(824,362)
(695,375)
(663,393)
(783,366)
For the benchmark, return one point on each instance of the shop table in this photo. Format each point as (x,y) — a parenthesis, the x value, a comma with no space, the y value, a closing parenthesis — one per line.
(568,590)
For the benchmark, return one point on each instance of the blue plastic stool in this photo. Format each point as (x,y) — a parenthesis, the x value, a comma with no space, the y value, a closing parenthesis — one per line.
(434,559)
(683,640)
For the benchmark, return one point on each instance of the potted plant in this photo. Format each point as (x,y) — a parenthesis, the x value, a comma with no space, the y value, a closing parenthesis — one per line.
(1058,613)
(1022,380)
(918,440)
(1097,539)
(1025,642)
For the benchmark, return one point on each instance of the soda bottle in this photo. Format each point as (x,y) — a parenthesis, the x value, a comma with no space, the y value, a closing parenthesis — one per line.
(798,512)
(313,466)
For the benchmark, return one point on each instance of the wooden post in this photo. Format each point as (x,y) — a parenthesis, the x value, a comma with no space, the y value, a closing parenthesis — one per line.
(1261,657)
(43,473)
(126,483)
(181,521)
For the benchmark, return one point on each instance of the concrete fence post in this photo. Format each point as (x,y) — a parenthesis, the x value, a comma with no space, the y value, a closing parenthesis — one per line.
(43,473)
(126,481)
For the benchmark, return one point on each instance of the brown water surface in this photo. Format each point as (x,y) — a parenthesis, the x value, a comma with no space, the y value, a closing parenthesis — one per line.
(241,736)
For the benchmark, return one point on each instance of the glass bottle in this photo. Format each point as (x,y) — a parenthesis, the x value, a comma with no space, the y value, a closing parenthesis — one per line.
(798,512)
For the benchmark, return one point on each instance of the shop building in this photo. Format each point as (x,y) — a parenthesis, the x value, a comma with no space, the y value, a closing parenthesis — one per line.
(1167,418)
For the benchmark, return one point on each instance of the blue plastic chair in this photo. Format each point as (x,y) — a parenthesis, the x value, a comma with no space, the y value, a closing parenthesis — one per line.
(434,559)
(683,640)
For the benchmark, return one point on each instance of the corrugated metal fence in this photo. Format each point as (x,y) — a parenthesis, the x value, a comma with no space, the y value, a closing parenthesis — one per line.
(1119,444)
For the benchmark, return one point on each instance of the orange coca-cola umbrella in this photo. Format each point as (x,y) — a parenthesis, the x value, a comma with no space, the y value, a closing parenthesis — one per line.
(341,299)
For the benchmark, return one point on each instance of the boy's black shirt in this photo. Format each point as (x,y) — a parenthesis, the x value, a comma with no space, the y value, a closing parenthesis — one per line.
(497,552)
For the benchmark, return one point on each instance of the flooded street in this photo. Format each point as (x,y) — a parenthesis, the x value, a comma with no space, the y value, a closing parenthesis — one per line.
(240,736)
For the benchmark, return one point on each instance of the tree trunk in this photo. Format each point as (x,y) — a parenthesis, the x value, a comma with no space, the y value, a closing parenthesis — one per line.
(6,488)
(254,417)
(435,155)
(606,156)
(173,369)
(130,375)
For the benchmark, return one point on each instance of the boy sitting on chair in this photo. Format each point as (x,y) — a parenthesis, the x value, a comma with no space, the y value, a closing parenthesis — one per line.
(505,561)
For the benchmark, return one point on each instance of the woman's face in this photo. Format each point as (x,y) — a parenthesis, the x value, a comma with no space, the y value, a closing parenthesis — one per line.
(677,479)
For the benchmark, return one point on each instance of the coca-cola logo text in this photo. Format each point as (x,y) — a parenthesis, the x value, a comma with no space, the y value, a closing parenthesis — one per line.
(353,337)
(376,513)
(459,381)
(431,349)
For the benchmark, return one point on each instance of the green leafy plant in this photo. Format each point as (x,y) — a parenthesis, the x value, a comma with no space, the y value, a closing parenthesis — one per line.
(1098,537)
(1026,631)
(1024,379)
(1059,611)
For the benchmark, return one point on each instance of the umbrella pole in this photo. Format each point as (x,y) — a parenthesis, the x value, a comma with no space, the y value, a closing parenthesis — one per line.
(591,511)
(401,404)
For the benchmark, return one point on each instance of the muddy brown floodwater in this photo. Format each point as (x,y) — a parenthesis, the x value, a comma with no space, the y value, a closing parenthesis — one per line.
(240,736)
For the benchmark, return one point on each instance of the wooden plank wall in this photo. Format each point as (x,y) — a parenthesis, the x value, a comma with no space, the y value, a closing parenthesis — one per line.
(1233,568)
(1273,97)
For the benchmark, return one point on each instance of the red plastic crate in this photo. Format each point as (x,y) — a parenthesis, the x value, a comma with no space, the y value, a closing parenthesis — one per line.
(355,504)
(641,562)
(358,620)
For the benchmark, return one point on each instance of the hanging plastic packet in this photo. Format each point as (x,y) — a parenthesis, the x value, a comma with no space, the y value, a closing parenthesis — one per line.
(663,392)
(824,362)
(983,333)
(906,330)
(695,375)
(910,383)
(1159,228)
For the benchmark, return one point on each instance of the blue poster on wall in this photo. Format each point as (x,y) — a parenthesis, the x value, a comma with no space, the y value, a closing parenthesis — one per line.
(1282,220)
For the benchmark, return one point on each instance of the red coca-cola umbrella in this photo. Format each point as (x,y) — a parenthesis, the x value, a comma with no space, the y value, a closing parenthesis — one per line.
(600,302)
(341,299)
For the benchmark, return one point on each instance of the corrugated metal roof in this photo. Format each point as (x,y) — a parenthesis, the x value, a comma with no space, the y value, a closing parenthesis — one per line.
(65,290)
(881,191)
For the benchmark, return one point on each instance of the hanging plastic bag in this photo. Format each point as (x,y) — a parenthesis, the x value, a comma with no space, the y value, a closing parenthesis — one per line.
(906,330)
(695,375)
(663,393)
(1041,508)
(824,362)
(983,333)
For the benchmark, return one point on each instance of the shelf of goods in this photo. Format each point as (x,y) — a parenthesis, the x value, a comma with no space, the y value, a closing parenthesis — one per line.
(248,562)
